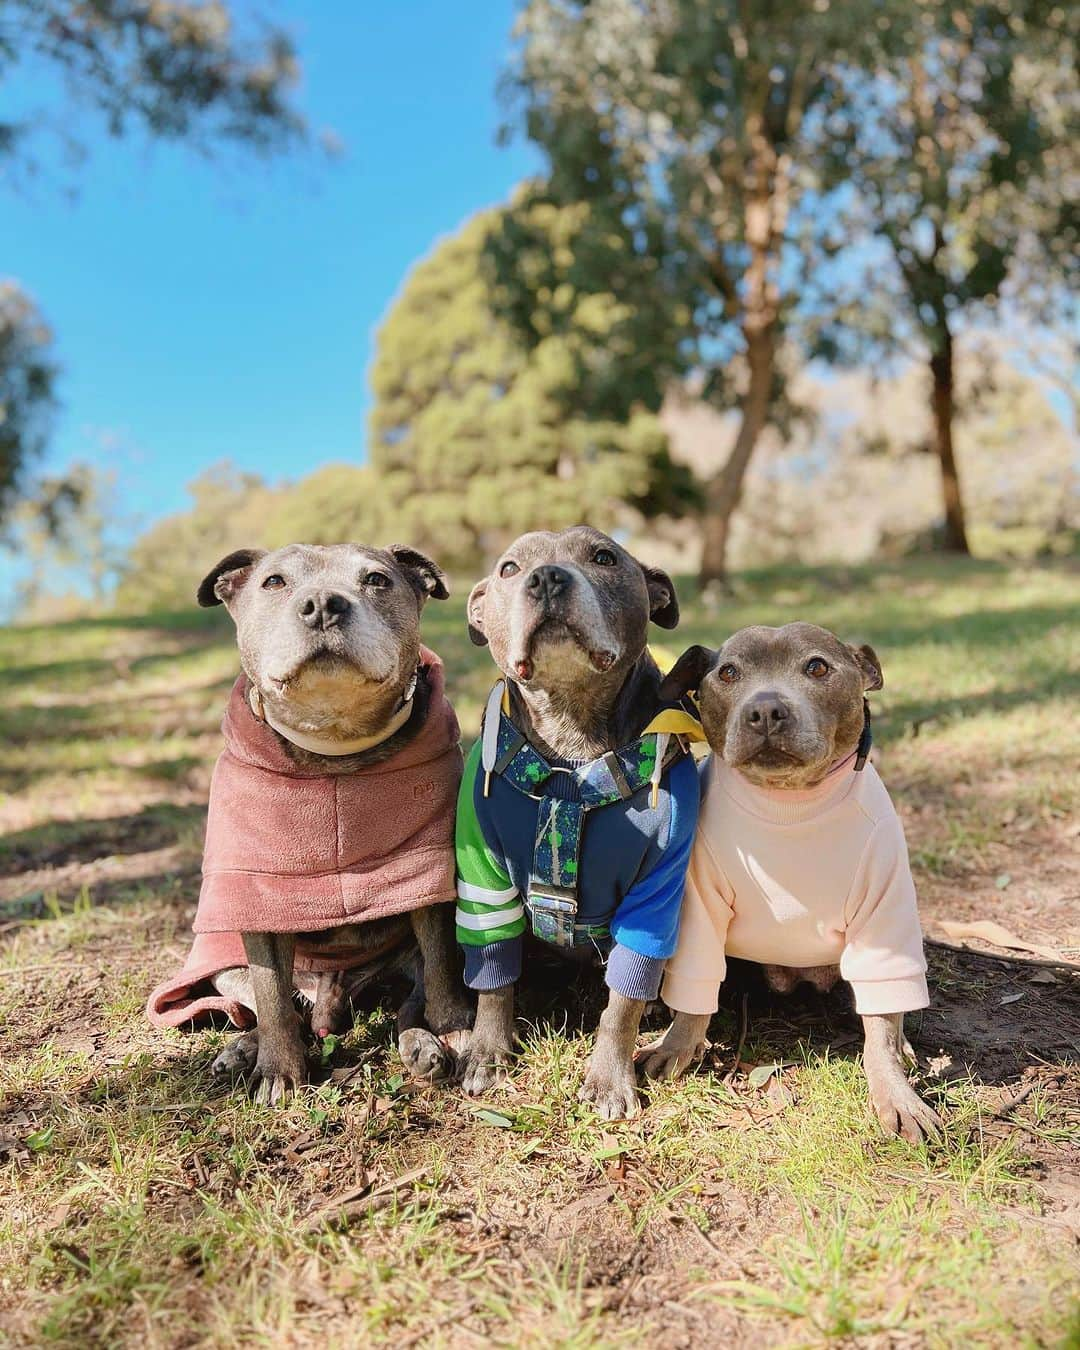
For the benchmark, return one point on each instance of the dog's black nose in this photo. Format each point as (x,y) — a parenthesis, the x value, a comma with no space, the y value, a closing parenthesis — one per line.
(548,581)
(766,712)
(323,609)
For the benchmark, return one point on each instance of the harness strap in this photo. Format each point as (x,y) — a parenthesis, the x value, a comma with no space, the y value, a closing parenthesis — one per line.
(615,776)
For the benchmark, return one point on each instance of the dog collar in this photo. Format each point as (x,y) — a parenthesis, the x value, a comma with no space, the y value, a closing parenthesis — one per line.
(866,740)
(316,745)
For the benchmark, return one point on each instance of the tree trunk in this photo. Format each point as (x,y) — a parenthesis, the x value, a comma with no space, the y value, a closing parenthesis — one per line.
(766,193)
(723,491)
(941,369)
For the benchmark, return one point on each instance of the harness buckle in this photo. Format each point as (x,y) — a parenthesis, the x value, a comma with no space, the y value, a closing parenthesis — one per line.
(552,911)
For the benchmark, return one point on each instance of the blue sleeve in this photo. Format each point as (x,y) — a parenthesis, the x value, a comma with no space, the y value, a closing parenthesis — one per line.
(646,925)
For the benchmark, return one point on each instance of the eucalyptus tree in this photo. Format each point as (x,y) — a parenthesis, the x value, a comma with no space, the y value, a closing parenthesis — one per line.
(687,126)
(960,148)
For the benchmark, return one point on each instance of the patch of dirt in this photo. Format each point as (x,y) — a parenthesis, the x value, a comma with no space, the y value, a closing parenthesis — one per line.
(995,1018)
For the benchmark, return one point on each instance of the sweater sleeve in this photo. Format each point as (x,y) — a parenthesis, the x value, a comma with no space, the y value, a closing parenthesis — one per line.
(490,917)
(883,956)
(645,927)
(696,971)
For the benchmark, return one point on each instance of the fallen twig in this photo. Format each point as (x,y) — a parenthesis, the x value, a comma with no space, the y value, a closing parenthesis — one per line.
(1036,963)
(1025,1092)
(367,1196)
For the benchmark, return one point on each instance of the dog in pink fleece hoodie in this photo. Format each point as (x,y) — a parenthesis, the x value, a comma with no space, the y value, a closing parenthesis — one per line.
(329,843)
(799,861)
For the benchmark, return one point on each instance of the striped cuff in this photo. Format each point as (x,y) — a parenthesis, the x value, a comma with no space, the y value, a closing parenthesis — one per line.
(633,975)
(485,916)
(493,966)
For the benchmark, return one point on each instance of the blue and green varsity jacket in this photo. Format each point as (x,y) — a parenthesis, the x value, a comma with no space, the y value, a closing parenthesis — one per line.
(582,853)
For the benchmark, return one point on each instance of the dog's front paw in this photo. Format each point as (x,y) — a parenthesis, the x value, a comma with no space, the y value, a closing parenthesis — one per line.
(902,1111)
(482,1066)
(238,1058)
(278,1074)
(424,1055)
(684,1043)
(457,1042)
(663,1060)
(613,1094)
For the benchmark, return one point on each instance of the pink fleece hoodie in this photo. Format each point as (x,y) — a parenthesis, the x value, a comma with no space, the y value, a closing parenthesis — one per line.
(810,877)
(291,850)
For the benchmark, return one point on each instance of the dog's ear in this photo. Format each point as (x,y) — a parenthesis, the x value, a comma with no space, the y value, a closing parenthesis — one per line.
(687,673)
(867,661)
(427,577)
(474,612)
(228,578)
(663,602)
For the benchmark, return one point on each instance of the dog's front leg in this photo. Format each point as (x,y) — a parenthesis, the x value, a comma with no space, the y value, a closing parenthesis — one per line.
(683,1044)
(447,1009)
(898,1106)
(281,1066)
(491,1045)
(433,1021)
(609,1083)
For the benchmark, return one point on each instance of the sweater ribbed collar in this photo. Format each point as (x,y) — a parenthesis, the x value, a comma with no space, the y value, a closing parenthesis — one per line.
(786,806)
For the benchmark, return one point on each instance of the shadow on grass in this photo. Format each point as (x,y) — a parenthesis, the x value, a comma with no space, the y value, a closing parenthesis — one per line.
(194,620)
(914,713)
(135,888)
(62,843)
(967,1023)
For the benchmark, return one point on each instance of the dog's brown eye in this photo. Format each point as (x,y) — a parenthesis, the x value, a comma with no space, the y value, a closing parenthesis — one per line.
(273,582)
(377,579)
(728,673)
(603,557)
(816,667)
(509,569)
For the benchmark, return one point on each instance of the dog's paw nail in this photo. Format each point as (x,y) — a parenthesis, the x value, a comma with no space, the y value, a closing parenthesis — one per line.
(618,1102)
(478,1077)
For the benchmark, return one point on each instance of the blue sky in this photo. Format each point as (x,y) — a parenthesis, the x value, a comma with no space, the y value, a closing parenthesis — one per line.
(206,311)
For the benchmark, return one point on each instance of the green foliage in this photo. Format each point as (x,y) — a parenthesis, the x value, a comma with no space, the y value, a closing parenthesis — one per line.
(27,372)
(168,561)
(961,149)
(685,128)
(175,69)
(231,510)
(477,436)
(735,161)
(64,532)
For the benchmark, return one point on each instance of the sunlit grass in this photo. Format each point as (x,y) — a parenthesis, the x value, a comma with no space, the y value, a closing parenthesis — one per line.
(144,1204)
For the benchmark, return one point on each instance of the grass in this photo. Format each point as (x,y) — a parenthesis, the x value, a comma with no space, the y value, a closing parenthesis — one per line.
(140,1203)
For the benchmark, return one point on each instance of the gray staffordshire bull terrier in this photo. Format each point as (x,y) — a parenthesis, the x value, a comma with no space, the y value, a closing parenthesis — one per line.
(329,639)
(566,617)
(799,859)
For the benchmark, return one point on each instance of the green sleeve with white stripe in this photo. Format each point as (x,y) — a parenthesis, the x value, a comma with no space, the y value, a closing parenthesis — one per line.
(488,907)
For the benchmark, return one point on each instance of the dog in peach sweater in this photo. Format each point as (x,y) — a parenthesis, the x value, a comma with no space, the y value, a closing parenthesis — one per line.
(799,862)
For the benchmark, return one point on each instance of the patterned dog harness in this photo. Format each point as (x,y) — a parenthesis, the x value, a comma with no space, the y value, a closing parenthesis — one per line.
(552,898)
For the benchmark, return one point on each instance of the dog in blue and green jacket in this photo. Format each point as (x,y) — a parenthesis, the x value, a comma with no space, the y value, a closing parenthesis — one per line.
(579,800)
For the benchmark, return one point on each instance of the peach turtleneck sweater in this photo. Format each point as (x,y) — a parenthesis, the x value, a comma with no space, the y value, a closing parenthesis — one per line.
(803,877)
